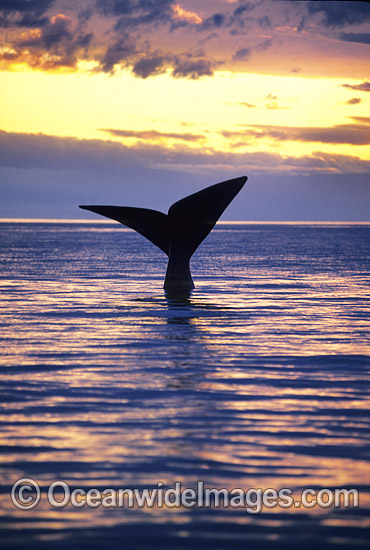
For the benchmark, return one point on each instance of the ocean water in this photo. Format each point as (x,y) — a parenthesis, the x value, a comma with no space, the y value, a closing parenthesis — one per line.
(259,379)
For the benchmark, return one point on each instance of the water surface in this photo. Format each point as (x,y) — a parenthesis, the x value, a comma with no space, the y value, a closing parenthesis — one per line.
(260,379)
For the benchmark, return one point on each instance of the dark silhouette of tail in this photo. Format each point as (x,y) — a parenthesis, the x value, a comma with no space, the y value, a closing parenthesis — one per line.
(180,232)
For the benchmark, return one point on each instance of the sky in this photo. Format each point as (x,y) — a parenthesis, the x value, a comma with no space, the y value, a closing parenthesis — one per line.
(142,102)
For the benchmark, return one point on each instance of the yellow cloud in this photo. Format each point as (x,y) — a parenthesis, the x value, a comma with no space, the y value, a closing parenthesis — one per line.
(186,15)
(211,113)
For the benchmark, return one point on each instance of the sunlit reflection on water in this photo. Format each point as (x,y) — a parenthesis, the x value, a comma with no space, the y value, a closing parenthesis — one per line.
(258,379)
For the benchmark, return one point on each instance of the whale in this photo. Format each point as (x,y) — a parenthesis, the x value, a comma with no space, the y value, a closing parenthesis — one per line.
(179,232)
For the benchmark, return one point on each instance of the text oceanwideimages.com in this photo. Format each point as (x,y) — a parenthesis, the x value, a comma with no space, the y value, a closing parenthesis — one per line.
(26,494)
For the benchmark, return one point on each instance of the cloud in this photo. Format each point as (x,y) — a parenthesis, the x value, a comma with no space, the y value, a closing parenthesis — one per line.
(356,37)
(40,151)
(149,66)
(186,16)
(216,21)
(153,135)
(272,102)
(354,101)
(135,13)
(353,134)
(269,102)
(84,16)
(120,50)
(51,35)
(361,119)
(149,37)
(340,14)
(264,22)
(252,15)
(244,8)
(363,87)
(246,104)
(47,176)
(188,67)
(29,13)
(150,63)
(54,44)
(242,54)
(241,15)
(264,45)
(331,162)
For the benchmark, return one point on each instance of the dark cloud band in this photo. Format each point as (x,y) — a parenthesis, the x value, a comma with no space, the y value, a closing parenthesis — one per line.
(350,134)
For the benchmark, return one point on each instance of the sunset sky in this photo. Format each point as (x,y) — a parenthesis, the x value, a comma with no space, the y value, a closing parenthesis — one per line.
(141,102)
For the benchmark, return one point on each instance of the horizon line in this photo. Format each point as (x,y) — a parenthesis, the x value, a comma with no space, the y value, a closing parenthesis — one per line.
(222,222)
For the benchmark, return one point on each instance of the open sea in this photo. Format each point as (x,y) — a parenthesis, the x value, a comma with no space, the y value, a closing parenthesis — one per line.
(259,380)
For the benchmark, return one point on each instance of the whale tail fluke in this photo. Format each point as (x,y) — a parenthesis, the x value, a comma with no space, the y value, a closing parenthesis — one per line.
(150,223)
(181,231)
(191,219)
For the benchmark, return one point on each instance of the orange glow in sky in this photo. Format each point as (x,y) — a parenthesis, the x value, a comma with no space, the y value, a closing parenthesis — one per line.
(279,87)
